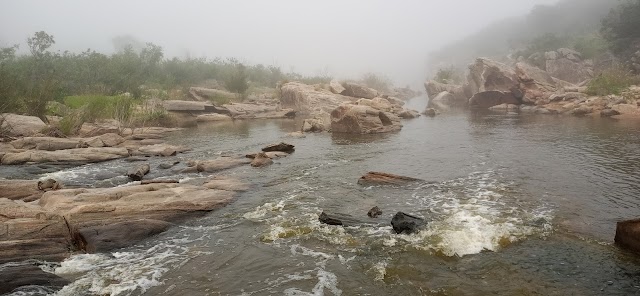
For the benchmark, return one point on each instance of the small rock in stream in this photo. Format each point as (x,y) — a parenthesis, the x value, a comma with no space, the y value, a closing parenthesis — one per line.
(405,223)
(374,212)
(137,173)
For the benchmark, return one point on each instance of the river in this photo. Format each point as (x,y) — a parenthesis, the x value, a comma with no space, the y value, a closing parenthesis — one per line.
(516,204)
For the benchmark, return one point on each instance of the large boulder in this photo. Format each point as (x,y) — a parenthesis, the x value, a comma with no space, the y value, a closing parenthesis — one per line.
(488,75)
(358,119)
(445,101)
(566,64)
(26,190)
(336,87)
(359,91)
(20,125)
(306,99)
(488,99)
(46,143)
(532,77)
(461,94)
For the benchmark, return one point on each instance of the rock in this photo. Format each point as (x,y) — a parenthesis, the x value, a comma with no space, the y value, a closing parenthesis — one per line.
(49,184)
(270,154)
(181,106)
(46,143)
(259,110)
(409,114)
(105,238)
(78,155)
(283,147)
(100,127)
(111,139)
(321,121)
(627,109)
(628,235)
(340,219)
(161,150)
(445,96)
(18,275)
(226,183)
(261,160)
(374,212)
(222,163)
(581,110)
(568,70)
(404,93)
(377,178)
(609,113)
(488,75)
(213,117)
(305,99)
(534,78)
(430,112)
(167,165)
(20,125)
(505,108)
(138,172)
(158,181)
(296,135)
(25,190)
(336,87)
(488,99)
(208,94)
(359,91)
(358,119)
(406,224)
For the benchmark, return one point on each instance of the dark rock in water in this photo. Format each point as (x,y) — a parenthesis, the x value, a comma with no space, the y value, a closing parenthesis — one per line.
(609,113)
(377,178)
(326,219)
(167,165)
(374,212)
(137,173)
(13,277)
(284,147)
(405,223)
(343,220)
(118,235)
(628,235)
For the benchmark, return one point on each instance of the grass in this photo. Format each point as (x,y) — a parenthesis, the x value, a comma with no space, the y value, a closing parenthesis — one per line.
(612,81)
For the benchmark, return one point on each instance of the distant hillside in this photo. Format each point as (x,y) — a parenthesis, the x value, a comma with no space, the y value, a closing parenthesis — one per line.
(570,23)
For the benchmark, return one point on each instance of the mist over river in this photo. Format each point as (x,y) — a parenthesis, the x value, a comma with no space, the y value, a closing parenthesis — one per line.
(516,204)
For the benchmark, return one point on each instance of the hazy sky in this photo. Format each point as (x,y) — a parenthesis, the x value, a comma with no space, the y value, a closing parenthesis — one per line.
(345,38)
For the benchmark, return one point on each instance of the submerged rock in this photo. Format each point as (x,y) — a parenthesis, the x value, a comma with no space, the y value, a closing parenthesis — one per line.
(260,160)
(403,223)
(104,238)
(374,212)
(15,276)
(283,147)
(377,178)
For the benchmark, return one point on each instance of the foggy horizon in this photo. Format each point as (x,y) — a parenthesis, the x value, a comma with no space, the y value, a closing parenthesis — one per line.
(344,40)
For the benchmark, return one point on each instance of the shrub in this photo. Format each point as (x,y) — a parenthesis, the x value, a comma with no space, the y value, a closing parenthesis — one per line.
(611,81)
(237,81)
(377,82)
(448,75)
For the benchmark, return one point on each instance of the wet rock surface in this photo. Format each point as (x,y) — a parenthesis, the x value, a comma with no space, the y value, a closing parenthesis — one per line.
(403,223)
(378,178)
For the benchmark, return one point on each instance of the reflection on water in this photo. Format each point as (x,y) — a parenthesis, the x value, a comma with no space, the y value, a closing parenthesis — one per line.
(516,204)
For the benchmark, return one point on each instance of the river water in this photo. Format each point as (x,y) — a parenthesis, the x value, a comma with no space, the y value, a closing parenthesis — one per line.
(516,204)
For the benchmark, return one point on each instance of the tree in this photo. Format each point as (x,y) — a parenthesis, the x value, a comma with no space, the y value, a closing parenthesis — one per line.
(622,26)
(237,81)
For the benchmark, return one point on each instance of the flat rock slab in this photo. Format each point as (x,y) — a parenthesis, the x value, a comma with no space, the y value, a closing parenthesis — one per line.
(219,164)
(26,190)
(161,150)
(13,277)
(104,238)
(378,178)
(78,155)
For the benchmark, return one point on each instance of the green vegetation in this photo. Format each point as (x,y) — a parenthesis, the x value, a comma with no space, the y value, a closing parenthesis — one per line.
(29,82)
(377,82)
(612,81)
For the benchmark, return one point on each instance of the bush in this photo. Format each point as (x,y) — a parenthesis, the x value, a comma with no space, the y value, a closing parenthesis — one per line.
(448,75)
(612,81)
(237,81)
(377,82)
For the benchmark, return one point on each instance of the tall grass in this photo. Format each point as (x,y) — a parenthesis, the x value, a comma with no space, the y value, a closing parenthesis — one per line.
(612,81)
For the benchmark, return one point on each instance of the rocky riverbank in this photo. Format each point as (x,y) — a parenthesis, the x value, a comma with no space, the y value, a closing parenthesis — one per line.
(525,88)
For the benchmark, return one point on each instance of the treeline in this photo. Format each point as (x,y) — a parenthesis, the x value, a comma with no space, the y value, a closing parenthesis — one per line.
(588,26)
(28,82)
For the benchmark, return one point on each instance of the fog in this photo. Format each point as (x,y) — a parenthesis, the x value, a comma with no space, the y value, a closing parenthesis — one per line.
(339,38)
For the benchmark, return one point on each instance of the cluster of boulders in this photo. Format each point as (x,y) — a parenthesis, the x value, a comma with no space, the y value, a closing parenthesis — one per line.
(36,148)
(345,108)
(527,88)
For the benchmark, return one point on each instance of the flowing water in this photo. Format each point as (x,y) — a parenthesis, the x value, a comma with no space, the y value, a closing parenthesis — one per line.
(516,204)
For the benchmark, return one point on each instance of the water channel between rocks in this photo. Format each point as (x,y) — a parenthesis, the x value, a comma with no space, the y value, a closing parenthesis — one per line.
(516,204)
